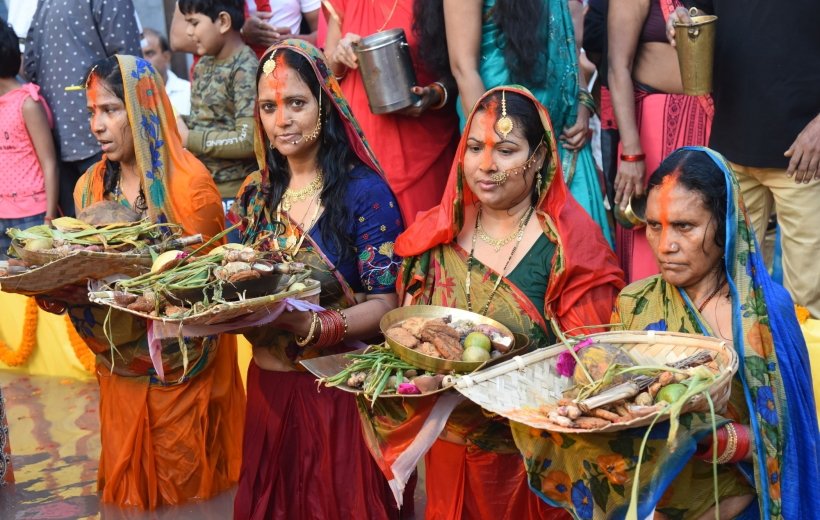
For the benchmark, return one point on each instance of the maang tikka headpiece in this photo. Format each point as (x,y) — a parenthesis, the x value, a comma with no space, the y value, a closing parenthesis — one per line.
(270,64)
(504,125)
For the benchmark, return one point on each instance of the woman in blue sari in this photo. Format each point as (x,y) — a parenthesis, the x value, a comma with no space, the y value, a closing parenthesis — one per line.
(502,42)
(713,282)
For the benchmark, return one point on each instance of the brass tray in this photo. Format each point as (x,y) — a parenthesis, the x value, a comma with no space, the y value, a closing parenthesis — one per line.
(429,363)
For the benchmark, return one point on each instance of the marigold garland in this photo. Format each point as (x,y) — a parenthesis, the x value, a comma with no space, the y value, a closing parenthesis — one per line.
(80,347)
(802,313)
(16,358)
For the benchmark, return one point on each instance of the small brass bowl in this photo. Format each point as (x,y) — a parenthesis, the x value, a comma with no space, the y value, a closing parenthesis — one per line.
(430,363)
(634,216)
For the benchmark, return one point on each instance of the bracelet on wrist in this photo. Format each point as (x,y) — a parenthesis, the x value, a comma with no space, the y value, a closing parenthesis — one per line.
(51,306)
(731,445)
(314,321)
(637,157)
(443,97)
(586,99)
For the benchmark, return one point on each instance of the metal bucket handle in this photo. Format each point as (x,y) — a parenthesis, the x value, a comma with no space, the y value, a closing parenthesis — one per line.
(694,30)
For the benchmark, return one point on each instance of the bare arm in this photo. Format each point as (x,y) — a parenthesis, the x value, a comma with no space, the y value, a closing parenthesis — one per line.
(624,23)
(178,35)
(312,19)
(38,129)
(462,21)
(338,49)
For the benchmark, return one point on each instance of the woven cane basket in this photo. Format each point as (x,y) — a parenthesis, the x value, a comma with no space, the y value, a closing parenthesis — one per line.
(73,268)
(517,388)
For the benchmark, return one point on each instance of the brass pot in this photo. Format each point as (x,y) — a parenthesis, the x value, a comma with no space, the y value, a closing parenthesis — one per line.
(634,215)
(429,363)
(695,45)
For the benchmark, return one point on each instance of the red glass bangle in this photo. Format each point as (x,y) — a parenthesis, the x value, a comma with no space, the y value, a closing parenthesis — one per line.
(332,328)
(708,455)
(54,307)
(743,444)
(638,157)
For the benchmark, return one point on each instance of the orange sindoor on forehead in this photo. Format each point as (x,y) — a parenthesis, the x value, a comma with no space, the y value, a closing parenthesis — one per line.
(275,78)
(669,183)
(92,87)
(490,116)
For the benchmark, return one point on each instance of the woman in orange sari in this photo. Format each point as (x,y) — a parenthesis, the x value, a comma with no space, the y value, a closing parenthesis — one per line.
(165,440)
(416,146)
(507,241)
(653,115)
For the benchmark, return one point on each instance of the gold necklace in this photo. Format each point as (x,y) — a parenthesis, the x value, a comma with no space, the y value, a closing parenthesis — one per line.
(293,244)
(389,16)
(290,196)
(522,224)
(495,243)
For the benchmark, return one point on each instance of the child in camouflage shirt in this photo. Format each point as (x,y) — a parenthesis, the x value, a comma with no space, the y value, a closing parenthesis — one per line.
(223,93)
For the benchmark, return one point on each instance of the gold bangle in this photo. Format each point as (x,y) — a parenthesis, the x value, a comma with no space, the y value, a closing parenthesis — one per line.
(303,342)
(344,319)
(731,445)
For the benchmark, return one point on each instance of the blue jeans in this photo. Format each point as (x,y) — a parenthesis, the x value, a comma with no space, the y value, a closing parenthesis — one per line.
(19,223)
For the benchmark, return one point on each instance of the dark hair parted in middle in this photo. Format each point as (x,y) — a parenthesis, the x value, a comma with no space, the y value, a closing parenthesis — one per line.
(524,113)
(698,172)
(336,158)
(212,8)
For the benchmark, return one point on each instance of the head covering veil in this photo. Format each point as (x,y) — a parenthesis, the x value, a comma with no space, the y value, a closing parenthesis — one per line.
(582,260)
(163,163)
(255,191)
(774,369)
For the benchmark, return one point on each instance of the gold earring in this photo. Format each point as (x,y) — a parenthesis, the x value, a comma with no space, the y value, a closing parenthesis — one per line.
(504,125)
(315,133)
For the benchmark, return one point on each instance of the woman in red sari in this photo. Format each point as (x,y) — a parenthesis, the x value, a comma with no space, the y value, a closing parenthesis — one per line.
(653,115)
(416,146)
(320,197)
(534,260)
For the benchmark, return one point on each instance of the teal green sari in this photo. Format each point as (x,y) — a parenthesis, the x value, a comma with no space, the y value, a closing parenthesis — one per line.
(558,92)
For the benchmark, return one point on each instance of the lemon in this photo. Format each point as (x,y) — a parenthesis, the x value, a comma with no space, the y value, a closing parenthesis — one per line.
(478,339)
(670,393)
(475,355)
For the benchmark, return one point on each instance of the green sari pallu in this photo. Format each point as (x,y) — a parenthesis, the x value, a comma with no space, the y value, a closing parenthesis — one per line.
(557,91)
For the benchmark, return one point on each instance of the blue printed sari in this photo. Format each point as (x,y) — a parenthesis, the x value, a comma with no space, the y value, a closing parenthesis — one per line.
(591,474)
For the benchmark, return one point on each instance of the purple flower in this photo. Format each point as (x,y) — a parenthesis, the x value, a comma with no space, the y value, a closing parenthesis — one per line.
(408,388)
(566,361)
